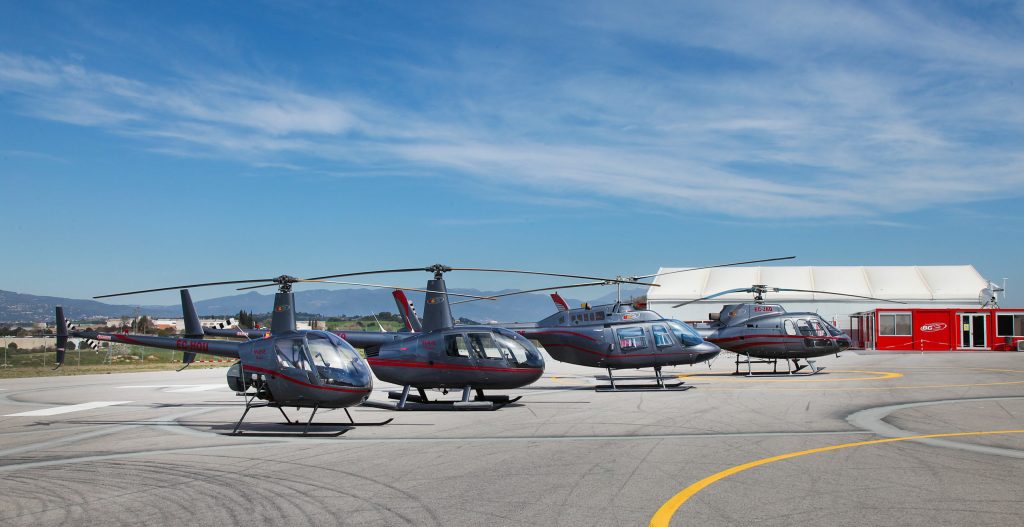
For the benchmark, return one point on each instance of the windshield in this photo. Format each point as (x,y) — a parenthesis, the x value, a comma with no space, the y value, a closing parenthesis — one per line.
(518,350)
(336,361)
(686,334)
(329,354)
(832,329)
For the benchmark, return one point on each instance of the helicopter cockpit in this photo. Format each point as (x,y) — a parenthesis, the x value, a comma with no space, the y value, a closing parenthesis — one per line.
(333,360)
(685,333)
(496,344)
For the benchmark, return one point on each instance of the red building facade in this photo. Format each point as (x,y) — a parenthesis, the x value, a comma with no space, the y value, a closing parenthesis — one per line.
(942,329)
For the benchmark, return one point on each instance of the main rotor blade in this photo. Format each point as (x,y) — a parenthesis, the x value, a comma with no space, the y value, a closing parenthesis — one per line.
(720,293)
(537,273)
(380,271)
(231,282)
(618,280)
(644,277)
(475,297)
(361,273)
(570,286)
(837,294)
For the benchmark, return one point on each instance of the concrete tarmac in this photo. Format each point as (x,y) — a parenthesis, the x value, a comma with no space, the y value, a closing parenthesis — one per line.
(150,448)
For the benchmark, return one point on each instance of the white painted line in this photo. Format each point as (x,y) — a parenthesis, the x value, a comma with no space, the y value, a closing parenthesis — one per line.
(199,388)
(181,388)
(56,410)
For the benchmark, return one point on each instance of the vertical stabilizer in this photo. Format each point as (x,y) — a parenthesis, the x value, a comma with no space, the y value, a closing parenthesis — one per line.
(407,311)
(437,314)
(62,337)
(283,319)
(193,328)
(560,302)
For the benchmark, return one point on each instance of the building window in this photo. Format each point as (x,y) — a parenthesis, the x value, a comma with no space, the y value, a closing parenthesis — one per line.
(1010,325)
(894,325)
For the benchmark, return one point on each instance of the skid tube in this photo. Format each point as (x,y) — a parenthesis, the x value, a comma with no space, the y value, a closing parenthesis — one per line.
(659,386)
(775,367)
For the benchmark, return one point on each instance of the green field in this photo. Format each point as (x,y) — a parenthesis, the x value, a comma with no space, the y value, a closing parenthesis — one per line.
(364,325)
(36,363)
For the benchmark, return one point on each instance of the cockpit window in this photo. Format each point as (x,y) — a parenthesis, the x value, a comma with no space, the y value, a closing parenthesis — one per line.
(817,329)
(790,328)
(804,327)
(291,353)
(325,350)
(455,346)
(513,350)
(834,331)
(686,334)
(326,353)
(661,337)
(484,346)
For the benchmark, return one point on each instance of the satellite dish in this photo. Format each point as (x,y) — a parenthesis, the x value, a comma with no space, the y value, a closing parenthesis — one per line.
(986,297)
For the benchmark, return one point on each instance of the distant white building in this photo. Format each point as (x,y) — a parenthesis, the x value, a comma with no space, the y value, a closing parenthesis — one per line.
(918,286)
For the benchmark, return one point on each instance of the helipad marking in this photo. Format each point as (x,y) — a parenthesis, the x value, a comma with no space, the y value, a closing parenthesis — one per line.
(57,410)
(879,375)
(664,514)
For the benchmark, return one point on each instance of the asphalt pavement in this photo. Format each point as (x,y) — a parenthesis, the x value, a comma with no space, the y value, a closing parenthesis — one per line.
(840,448)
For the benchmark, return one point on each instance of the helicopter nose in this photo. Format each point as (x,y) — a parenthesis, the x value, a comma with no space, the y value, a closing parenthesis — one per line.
(706,351)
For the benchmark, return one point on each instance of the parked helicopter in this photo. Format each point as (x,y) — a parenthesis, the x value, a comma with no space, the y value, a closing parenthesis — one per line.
(437,354)
(769,333)
(617,336)
(304,369)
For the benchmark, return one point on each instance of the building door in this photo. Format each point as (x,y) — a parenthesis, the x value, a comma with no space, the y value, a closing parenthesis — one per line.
(972,331)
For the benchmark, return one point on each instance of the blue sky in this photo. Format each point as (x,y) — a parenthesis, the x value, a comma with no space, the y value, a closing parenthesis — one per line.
(175,142)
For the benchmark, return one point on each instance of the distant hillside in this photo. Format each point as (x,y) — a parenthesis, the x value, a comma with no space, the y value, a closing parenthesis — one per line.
(18,307)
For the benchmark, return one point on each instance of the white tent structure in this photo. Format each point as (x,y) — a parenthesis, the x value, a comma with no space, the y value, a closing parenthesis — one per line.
(918,286)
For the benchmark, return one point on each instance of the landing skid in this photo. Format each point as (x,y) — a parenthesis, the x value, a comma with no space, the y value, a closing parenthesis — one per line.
(797,367)
(351,422)
(421,402)
(659,386)
(249,405)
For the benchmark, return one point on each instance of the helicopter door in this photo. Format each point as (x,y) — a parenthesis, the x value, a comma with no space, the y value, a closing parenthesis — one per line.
(457,353)
(484,347)
(294,360)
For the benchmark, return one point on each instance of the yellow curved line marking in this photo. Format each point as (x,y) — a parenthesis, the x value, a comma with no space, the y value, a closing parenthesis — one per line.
(861,389)
(879,375)
(664,514)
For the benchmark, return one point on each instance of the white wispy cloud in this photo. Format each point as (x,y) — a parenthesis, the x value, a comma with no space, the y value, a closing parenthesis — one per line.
(825,110)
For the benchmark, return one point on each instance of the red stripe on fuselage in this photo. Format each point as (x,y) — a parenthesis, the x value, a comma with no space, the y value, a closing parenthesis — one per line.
(561,332)
(622,355)
(461,367)
(301,383)
(794,337)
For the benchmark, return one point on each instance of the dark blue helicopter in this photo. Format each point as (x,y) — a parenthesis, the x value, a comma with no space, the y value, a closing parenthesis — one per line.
(284,368)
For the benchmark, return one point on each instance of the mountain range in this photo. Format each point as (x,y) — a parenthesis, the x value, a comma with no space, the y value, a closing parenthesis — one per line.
(20,307)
